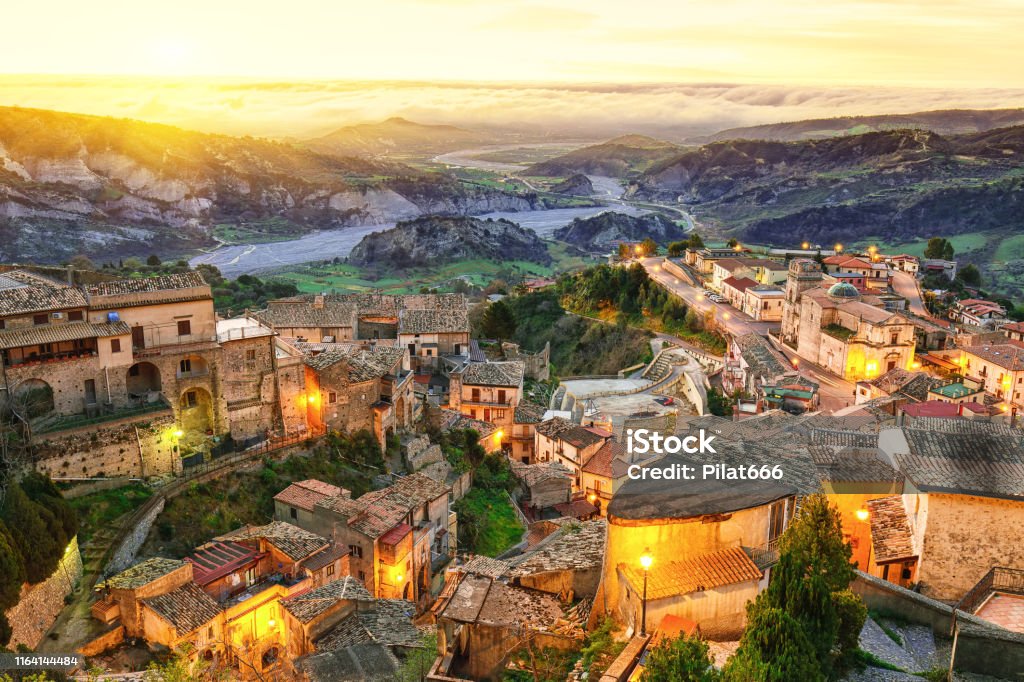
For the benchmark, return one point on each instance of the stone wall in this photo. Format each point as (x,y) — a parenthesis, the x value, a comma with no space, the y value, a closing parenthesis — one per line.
(138,447)
(124,554)
(40,604)
(538,365)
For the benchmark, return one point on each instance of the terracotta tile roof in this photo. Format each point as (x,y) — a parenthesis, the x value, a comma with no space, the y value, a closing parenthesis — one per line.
(762,359)
(931,408)
(705,572)
(486,566)
(305,494)
(890,529)
(183,280)
(363,364)
(1006,355)
(301,313)
(740,284)
(433,321)
(387,622)
(396,534)
(852,465)
(576,509)
(218,559)
(494,373)
(33,298)
(529,413)
(325,557)
(481,600)
(1014,327)
(55,333)
(601,463)
(576,546)
(295,542)
(456,420)
(563,429)
(379,511)
(356,663)
(532,474)
(144,573)
(308,605)
(187,608)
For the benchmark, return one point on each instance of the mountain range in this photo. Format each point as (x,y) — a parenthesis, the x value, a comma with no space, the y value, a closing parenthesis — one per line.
(396,137)
(901,184)
(110,188)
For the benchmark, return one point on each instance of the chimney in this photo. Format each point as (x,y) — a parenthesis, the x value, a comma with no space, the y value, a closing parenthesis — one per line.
(318,301)
(960,410)
(71,275)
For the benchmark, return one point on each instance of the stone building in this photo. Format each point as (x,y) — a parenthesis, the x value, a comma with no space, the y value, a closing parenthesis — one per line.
(999,369)
(395,536)
(349,388)
(525,420)
(835,329)
(569,444)
(489,391)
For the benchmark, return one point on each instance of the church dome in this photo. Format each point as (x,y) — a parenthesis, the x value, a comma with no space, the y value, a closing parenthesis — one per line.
(843,291)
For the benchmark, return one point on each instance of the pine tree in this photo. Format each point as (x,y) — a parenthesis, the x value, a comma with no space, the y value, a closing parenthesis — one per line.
(498,321)
(774,648)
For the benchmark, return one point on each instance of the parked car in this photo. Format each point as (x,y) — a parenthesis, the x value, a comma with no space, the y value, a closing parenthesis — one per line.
(665,400)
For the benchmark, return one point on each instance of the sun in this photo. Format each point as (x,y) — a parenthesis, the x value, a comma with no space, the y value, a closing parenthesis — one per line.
(171,54)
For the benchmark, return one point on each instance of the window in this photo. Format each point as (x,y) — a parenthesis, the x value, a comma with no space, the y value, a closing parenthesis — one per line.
(185,366)
(75,316)
(476,395)
(894,339)
(115,346)
(3,324)
(184,327)
(250,576)
(330,570)
(40,319)
(362,576)
(332,397)
(777,523)
(191,399)
(356,551)
(250,355)
(293,512)
(501,395)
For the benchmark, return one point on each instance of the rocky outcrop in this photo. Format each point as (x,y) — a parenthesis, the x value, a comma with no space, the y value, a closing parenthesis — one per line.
(578,185)
(598,232)
(433,240)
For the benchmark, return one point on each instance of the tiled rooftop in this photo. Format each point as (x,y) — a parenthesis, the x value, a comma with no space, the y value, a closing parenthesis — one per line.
(33,298)
(377,512)
(325,557)
(508,373)
(366,662)
(217,559)
(363,364)
(308,605)
(577,546)
(433,321)
(295,542)
(673,578)
(763,360)
(601,463)
(1007,356)
(187,608)
(890,529)
(144,573)
(55,333)
(388,622)
(180,287)
(529,413)
(564,430)
(305,494)
(532,474)
(302,313)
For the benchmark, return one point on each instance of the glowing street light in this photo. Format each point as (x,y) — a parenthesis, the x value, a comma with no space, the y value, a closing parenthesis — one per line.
(839,248)
(178,433)
(862,514)
(645,561)
(805,246)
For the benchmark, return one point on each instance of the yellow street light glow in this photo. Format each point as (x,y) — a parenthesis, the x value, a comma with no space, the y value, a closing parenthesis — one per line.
(271,623)
(592,497)
(312,398)
(498,435)
(806,245)
(839,248)
(796,362)
(398,577)
(862,514)
(872,249)
(725,316)
(179,433)
(646,560)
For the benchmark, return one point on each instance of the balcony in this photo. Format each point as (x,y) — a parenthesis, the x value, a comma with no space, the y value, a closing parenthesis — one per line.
(999,580)
(486,403)
(48,358)
(105,414)
(764,556)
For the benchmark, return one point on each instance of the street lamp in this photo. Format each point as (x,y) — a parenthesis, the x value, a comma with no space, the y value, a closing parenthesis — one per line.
(839,248)
(645,561)
(806,245)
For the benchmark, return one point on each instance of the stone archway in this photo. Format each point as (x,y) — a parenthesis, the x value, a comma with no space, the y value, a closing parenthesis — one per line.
(196,410)
(32,398)
(143,378)
(401,419)
(192,366)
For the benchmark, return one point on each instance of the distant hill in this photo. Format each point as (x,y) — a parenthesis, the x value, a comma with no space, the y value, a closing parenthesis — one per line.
(618,157)
(575,185)
(901,184)
(110,188)
(433,240)
(600,231)
(944,122)
(395,137)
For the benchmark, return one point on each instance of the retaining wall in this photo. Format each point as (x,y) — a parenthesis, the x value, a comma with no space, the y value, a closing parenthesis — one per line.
(40,604)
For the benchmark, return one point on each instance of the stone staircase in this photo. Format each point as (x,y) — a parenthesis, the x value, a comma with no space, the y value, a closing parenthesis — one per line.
(659,368)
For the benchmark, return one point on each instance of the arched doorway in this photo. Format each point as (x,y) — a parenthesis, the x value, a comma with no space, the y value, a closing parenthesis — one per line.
(196,408)
(32,398)
(400,417)
(142,379)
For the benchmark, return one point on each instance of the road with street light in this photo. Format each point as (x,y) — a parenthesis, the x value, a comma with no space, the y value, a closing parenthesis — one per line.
(835,393)
(733,321)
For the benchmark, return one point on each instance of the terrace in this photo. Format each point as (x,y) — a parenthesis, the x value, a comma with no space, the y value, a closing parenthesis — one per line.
(998,598)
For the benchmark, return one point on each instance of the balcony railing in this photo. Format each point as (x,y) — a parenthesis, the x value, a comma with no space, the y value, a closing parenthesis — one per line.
(998,579)
(45,358)
(75,421)
(764,556)
(487,403)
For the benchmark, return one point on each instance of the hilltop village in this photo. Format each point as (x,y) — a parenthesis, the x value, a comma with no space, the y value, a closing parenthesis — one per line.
(904,424)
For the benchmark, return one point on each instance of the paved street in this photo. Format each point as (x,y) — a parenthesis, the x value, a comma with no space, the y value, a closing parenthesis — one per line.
(906,286)
(734,321)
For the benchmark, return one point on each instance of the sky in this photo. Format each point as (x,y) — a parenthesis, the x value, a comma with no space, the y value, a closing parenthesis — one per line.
(175,62)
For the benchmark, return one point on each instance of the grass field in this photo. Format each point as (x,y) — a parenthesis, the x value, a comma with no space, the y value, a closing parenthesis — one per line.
(495,526)
(962,244)
(1010,248)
